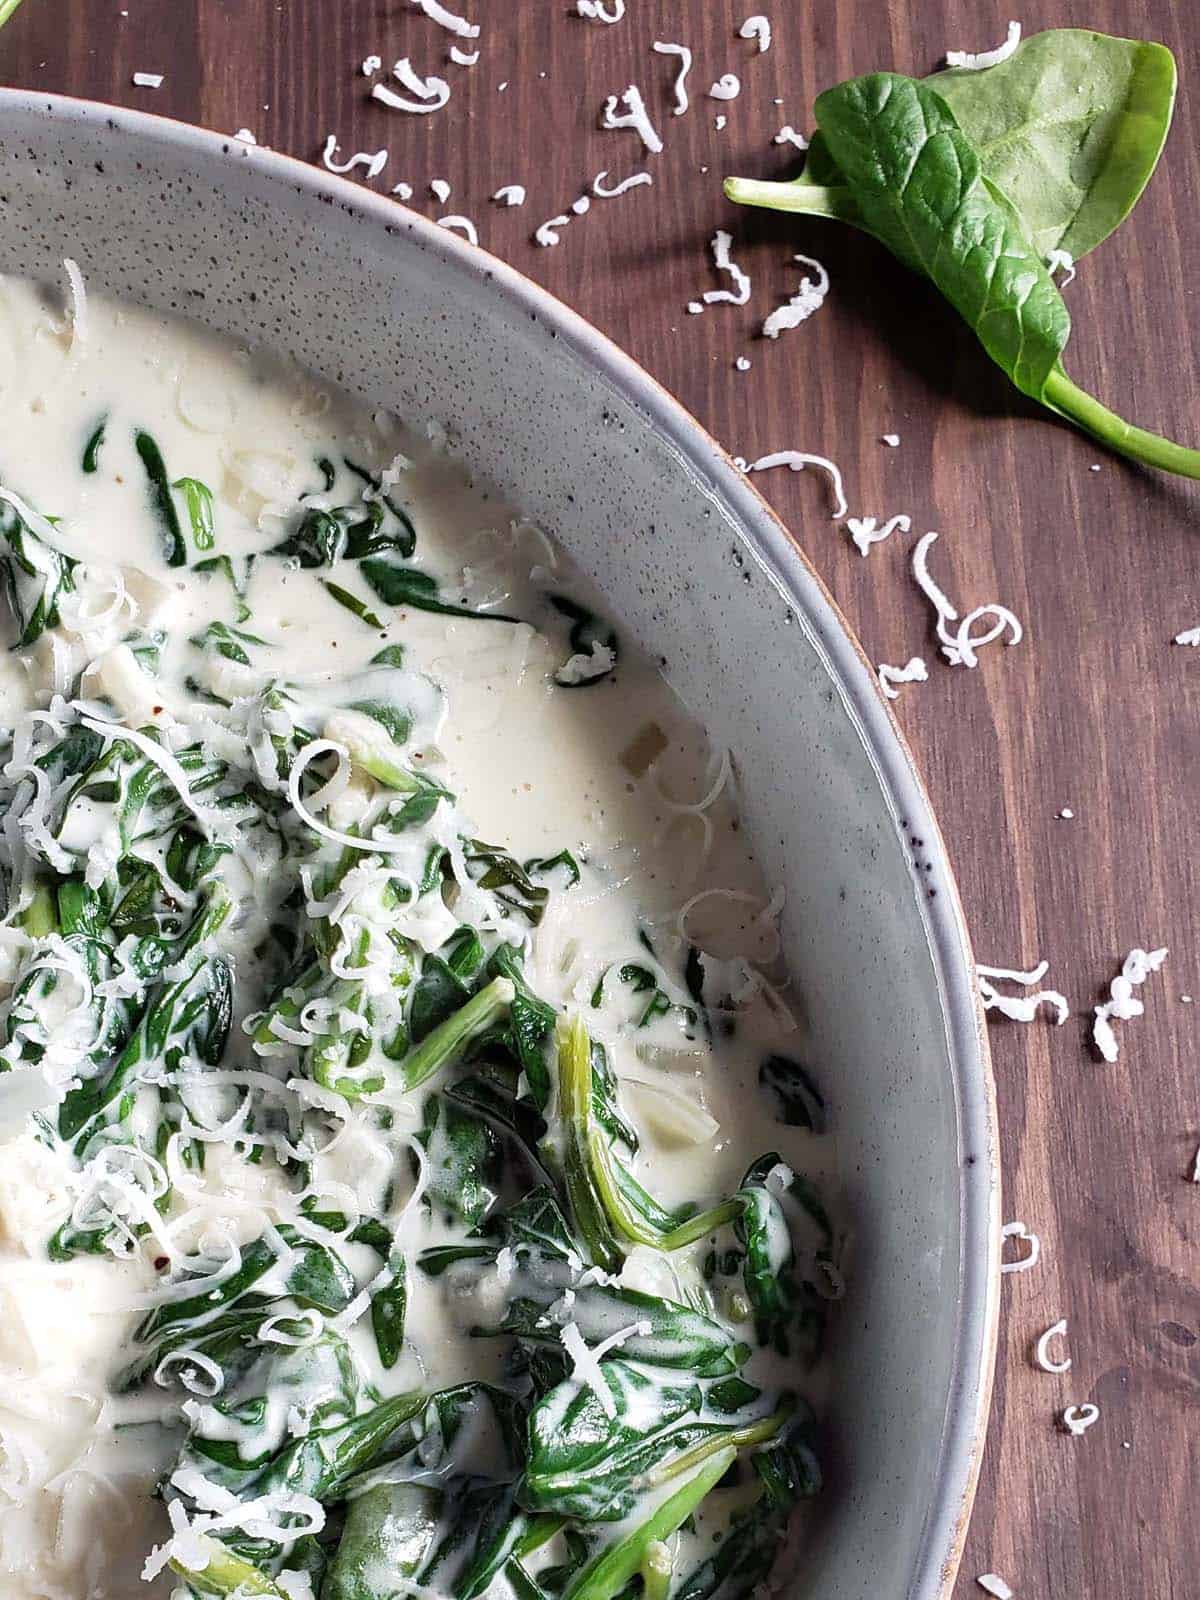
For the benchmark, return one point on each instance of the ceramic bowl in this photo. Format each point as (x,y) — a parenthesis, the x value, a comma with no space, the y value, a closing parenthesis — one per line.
(394,308)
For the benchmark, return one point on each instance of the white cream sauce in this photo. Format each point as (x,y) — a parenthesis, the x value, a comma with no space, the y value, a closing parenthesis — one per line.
(616,772)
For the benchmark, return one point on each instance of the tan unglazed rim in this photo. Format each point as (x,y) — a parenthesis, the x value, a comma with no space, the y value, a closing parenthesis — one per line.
(780,556)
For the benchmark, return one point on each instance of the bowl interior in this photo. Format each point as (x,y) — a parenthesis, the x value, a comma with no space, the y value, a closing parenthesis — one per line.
(392,308)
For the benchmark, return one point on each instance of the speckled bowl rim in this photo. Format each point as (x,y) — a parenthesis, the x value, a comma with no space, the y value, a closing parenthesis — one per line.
(968,1401)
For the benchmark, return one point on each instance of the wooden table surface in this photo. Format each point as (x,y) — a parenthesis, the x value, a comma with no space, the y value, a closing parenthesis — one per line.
(1094,711)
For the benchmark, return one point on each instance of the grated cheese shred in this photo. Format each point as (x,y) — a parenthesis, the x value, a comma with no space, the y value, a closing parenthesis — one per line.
(980,61)
(635,116)
(685,66)
(759,28)
(796,461)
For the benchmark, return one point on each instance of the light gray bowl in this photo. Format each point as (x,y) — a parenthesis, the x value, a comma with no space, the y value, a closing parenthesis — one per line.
(398,310)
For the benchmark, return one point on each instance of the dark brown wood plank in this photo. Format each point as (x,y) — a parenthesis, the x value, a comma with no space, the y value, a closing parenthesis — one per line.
(1095,710)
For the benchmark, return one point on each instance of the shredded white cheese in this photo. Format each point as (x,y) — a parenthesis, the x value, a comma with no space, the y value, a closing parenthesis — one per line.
(510,194)
(611,192)
(892,440)
(428,94)
(1020,1008)
(1188,636)
(1041,1350)
(1076,1420)
(913,671)
(757,27)
(440,190)
(148,80)
(719,122)
(685,66)
(740,293)
(546,233)
(596,11)
(79,320)
(865,531)
(788,135)
(727,87)
(371,65)
(462,225)
(402,190)
(463,58)
(1122,1004)
(1061,261)
(986,58)
(586,1363)
(991,1583)
(742,363)
(1018,1230)
(797,460)
(374,164)
(960,646)
(436,12)
(635,116)
(808,298)
(1196,1158)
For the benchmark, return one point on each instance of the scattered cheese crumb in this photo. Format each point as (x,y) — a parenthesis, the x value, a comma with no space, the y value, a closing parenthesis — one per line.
(694,308)
(740,293)
(685,66)
(582,206)
(403,190)
(991,1583)
(1018,1230)
(1041,1350)
(1065,815)
(500,87)
(440,190)
(719,122)
(1061,261)
(959,647)
(462,225)
(436,12)
(1076,1420)
(1188,636)
(986,58)
(1095,467)
(635,116)
(913,671)
(727,87)
(463,58)
(757,27)
(546,233)
(245,136)
(1122,1004)
(78,293)
(865,532)
(374,164)
(429,94)
(892,440)
(371,65)
(594,10)
(1020,1008)
(512,194)
(623,187)
(1196,1159)
(148,80)
(742,363)
(1186,998)
(808,298)
(788,135)
(797,460)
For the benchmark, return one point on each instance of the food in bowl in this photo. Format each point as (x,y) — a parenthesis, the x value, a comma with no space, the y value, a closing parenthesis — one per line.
(411,1180)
